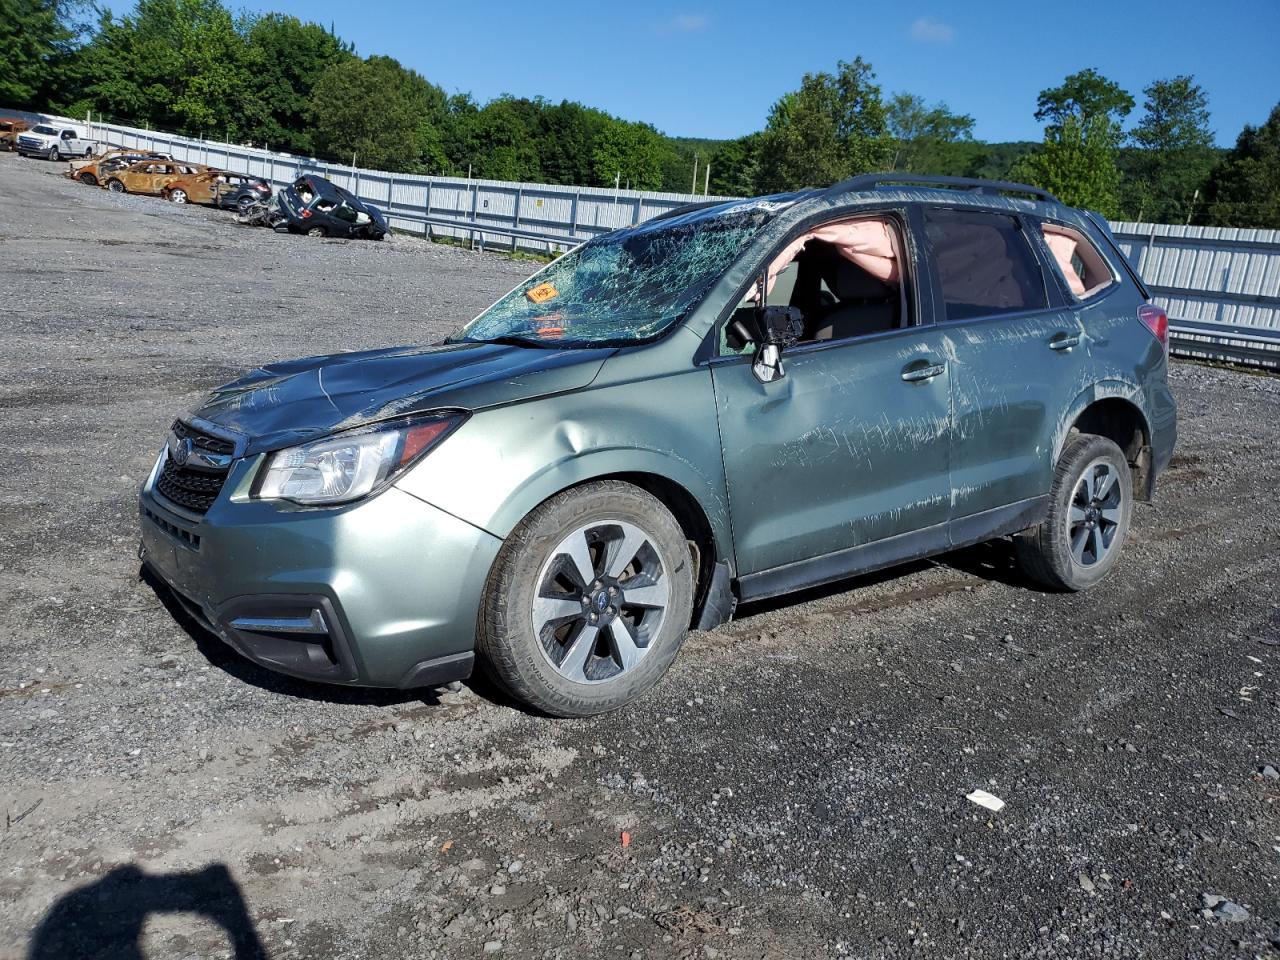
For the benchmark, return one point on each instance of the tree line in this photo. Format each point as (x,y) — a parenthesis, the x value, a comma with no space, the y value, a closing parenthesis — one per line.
(194,67)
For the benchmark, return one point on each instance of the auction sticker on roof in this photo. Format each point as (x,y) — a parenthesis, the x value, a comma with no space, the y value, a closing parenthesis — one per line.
(542,293)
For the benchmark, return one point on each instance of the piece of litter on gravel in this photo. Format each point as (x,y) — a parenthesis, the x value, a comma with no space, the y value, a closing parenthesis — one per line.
(988,800)
(1267,641)
(1228,712)
(626,838)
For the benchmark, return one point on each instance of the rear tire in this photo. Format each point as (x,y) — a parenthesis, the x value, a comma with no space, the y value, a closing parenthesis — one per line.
(115,186)
(1090,506)
(574,645)
(317,232)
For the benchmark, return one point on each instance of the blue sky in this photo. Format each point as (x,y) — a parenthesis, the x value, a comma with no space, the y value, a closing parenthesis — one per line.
(714,68)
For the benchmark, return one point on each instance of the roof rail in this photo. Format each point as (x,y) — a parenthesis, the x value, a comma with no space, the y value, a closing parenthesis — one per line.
(870,181)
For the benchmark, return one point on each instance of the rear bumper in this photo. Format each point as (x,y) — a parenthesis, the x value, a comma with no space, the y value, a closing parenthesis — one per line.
(1162,412)
(382,593)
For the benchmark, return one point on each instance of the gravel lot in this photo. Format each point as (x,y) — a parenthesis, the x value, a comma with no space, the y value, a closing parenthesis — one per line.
(796,788)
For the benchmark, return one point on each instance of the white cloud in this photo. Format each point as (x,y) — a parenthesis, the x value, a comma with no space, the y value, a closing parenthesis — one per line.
(929,30)
(691,22)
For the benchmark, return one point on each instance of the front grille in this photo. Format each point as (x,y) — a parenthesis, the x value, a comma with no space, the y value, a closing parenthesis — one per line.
(202,441)
(186,486)
(29,142)
(193,489)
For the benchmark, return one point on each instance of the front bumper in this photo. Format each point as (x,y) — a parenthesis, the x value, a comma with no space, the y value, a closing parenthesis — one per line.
(384,592)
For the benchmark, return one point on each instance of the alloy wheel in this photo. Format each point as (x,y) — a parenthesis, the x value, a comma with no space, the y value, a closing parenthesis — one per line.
(1094,515)
(178,196)
(601,599)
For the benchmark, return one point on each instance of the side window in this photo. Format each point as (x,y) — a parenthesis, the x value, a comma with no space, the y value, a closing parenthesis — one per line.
(985,264)
(844,277)
(1083,269)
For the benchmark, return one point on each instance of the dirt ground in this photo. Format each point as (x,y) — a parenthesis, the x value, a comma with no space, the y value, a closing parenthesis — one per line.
(795,787)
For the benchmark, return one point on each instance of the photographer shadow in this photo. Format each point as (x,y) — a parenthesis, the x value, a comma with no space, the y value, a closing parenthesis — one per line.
(106,918)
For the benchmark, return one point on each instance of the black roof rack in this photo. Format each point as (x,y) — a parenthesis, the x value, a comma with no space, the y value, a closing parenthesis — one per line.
(870,181)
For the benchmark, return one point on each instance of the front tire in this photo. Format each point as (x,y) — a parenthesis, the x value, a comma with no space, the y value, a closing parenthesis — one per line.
(88,179)
(53,154)
(177,196)
(1090,506)
(589,600)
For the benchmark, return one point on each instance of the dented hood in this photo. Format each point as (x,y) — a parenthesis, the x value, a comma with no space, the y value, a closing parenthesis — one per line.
(282,404)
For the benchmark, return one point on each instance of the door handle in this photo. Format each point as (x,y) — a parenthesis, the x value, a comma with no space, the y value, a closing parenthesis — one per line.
(916,372)
(1064,341)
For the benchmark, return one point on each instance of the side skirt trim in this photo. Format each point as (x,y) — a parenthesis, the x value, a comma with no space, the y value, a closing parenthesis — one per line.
(890,551)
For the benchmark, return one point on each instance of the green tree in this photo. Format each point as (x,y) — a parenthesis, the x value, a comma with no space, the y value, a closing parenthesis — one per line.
(1244,188)
(925,137)
(287,57)
(388,117)
(735,166)
(1175,152)
(1084,95)
(1077,163)
(35,41)
(566,137)
(831,128)
(176,64)
(628,153)
(502,140)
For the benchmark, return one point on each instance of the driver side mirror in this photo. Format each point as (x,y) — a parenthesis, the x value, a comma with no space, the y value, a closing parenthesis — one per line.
(777,328)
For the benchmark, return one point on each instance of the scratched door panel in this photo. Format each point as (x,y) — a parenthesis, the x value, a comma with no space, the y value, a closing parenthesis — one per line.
(840,452)
(1009,389)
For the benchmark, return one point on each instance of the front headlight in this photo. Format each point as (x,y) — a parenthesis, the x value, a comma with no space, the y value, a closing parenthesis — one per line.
(354,464)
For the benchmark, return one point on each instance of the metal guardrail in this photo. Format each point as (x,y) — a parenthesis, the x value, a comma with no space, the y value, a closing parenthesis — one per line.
(1250,346)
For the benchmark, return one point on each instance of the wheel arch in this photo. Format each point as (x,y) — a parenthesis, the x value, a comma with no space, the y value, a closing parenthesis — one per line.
(1112,409)
(690,496)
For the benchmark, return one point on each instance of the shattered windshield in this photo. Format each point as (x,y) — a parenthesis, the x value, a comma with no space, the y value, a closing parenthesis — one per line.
(626,286)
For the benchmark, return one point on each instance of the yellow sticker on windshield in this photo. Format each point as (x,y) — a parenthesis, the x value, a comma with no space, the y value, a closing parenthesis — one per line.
(542,293)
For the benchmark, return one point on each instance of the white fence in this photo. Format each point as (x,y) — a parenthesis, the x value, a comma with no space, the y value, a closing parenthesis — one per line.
(1221,287)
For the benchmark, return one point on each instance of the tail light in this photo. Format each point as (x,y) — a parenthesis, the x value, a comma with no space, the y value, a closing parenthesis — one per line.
(1157,321)
(305,214)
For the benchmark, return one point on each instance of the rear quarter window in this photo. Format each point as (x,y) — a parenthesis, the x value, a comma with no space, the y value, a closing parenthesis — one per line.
(1082,269)
(984,264)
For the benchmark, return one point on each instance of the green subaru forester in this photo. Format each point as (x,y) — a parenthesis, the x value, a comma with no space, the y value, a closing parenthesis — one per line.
(729,402)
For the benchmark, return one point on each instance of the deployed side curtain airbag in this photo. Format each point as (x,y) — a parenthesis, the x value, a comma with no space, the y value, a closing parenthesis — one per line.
(1063,249)
(867,243)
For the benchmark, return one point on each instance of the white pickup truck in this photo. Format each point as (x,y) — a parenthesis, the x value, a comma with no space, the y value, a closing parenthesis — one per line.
(55,142)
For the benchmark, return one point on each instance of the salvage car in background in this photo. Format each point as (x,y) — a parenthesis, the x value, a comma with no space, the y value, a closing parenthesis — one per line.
(150,176)
(729,402)
(10,127)
(113,160)
(220,188)
(320,208)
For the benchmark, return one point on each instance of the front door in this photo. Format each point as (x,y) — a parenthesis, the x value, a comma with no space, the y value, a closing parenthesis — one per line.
(849,448)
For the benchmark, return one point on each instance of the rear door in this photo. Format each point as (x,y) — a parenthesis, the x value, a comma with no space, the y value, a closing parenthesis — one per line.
(1016,361)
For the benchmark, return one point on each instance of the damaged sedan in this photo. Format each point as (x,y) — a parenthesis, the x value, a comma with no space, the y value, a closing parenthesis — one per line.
(730,402)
